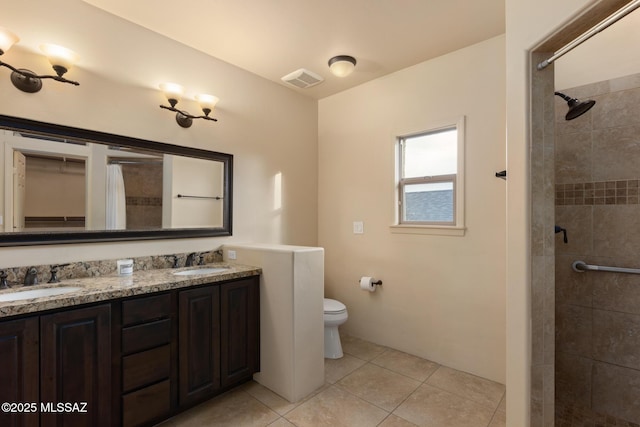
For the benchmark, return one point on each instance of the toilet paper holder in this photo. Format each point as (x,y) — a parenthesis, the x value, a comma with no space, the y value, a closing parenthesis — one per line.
(377,282)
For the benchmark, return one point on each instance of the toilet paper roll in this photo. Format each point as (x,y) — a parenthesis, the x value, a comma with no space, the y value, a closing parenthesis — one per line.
(366,284)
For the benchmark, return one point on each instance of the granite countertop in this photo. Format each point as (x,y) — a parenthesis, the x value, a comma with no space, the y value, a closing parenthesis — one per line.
(105,288)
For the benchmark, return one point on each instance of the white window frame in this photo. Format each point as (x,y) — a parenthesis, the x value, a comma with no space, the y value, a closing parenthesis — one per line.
(455,228)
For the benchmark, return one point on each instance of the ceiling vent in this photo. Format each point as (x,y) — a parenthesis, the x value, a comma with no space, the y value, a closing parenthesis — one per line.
(302,78)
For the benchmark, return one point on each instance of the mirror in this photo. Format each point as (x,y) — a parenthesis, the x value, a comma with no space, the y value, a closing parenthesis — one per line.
(70,185)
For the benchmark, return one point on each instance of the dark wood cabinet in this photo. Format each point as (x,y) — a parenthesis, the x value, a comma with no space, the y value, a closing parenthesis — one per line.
(135,361)
(147,359)
(75,366)
(240,317)
(20,370)
(199,344)
(58,359)
(219,338)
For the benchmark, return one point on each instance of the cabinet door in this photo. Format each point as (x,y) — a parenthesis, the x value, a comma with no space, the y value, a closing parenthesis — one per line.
(199,344)
(240,342)
(75,363)
(19,370)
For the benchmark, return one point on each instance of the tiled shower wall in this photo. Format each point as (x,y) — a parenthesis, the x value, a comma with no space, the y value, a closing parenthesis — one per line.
(143,188)
(597,168)
(542,166)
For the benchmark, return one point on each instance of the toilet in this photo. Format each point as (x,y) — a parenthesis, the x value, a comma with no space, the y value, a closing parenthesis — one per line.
(335,314)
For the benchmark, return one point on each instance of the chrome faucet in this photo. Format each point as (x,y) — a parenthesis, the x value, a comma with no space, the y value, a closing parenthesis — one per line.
(31,278)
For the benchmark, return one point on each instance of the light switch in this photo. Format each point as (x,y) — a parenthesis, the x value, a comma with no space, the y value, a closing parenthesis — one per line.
(358,227)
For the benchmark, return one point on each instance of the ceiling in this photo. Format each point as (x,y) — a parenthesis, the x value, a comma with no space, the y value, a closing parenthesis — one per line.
(272,38)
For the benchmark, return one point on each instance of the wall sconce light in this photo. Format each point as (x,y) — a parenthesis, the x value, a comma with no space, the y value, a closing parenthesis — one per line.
(173,92)
(62,59)
(342,65)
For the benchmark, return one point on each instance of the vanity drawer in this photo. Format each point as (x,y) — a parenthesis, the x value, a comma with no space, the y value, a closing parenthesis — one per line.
(146,336)
(147,367)
(147,404)
(146,309)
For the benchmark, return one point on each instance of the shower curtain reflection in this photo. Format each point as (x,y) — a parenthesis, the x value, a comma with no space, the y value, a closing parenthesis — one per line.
(116,199)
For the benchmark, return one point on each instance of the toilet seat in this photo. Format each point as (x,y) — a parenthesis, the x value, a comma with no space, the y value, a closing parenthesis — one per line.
(332,306)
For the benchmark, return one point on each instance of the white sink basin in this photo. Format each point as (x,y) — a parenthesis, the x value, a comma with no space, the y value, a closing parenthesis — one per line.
(37,293)
(200,271)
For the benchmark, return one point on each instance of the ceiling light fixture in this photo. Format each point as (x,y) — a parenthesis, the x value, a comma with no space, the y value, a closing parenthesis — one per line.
(61,59)
(342,65)
(174,92)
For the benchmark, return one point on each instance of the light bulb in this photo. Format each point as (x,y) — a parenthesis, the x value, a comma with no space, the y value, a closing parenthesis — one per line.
(207,102)
(172,91)
(61,58)
(7,39)
(342,65)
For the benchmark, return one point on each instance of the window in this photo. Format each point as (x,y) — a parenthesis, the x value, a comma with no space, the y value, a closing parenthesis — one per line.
(430,184)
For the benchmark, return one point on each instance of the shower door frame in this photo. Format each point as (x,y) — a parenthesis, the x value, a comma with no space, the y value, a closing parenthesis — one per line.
(542,203)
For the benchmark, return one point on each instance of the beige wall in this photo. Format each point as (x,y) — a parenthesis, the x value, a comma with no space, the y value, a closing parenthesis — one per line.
(267,127)
(443,297)
(195,177)
(605,56)
(54,188)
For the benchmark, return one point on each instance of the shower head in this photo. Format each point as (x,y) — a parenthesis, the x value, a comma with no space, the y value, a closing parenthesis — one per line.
(576,107)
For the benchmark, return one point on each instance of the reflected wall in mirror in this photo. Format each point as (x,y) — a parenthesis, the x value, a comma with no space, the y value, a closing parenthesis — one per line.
(64,184)
(49,192)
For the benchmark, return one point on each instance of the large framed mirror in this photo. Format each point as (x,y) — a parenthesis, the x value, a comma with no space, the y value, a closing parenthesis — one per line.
(69,185)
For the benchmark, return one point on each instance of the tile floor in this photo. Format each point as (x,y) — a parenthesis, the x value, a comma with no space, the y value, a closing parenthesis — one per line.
(370,386)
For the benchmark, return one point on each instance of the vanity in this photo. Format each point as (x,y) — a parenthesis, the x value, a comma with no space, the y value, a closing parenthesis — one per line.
(137,350)
(128,350)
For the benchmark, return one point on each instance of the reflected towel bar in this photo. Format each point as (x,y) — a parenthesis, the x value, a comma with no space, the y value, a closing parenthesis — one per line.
(184,196)
(581,267)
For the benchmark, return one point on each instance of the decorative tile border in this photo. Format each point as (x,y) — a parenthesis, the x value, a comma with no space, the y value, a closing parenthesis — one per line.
(623,192)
